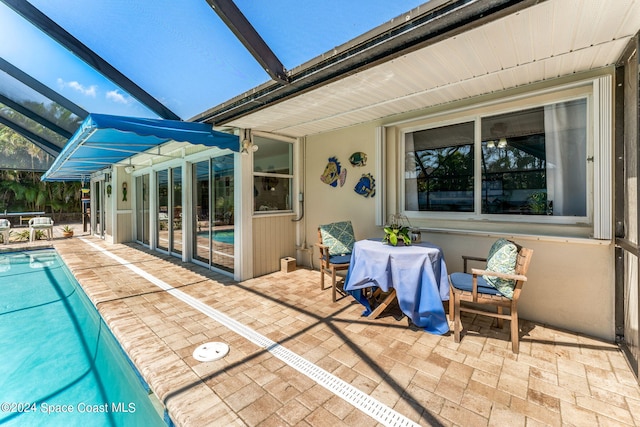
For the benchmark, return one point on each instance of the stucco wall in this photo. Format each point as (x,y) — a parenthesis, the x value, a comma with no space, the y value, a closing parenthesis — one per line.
(326,204)
(571,280)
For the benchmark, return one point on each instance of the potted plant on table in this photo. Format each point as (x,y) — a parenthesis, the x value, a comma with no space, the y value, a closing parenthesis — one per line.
(67,231)
(396,233)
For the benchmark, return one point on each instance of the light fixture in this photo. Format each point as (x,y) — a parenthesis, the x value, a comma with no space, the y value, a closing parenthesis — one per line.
(129,169)
(247,145)
(491,144)
(502,143)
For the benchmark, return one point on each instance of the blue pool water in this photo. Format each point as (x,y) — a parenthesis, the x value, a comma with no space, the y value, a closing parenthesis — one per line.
(222,236)
(59,363)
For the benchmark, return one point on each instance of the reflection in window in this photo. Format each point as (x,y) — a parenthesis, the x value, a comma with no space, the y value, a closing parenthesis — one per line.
(439,169)
(273,175)
(176,217)
(142,206)
(163,210)
(533,162)
(213,222)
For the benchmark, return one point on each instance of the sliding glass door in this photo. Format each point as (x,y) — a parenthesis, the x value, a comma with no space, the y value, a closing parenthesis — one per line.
(202,220)
(176,209)
(163,224)
(142,207)
(169,210)
(213,219)
(98,220)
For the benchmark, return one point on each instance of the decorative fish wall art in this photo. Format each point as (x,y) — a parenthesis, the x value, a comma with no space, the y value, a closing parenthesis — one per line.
(358,159)
(334,173)
(366,185)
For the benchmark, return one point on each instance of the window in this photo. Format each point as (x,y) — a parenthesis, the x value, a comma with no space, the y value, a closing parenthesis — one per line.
(272,175)
(439,169)
(526,162)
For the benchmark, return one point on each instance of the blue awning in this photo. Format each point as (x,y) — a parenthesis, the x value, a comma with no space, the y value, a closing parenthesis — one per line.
(103,140)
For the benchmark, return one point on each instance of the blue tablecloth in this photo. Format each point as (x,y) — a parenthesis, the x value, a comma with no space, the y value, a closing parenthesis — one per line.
(418,273)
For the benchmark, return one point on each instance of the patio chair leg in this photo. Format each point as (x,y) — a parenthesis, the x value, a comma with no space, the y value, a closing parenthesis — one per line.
(457,323)
(333,284)
(321,278)
(500,322)
(452,299)
(515,331)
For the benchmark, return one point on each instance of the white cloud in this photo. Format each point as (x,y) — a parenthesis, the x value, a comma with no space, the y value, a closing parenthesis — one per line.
(88,91)
(115,96)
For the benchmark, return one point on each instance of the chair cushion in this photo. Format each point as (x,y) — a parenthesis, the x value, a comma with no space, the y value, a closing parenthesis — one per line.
(340,259)
(338,237)
(502,259)
(464,282)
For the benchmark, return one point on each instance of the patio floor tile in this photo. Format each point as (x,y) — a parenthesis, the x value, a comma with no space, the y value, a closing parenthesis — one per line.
(559,377)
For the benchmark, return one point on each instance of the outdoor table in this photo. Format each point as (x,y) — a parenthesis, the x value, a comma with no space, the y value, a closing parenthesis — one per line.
(22,215)
(417,273)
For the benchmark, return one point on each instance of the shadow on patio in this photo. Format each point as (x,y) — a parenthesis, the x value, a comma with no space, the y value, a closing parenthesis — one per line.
(298,359)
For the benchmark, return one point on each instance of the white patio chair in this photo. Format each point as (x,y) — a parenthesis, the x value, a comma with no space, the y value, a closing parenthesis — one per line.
(5,230)
(43,223)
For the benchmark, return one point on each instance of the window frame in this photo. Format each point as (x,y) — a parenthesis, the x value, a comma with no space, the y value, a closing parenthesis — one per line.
(475,114)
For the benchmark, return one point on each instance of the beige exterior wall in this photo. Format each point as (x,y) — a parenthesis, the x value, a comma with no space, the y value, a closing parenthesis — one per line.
(124,214)
(571,276)
(326,204)
(118,212)
(571,281)
(273,239)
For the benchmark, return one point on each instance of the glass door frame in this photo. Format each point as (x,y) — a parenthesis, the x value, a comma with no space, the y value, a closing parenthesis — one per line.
(173,219)
(98,215)
(163,219)
(142,210)
(217,210)
(175,216)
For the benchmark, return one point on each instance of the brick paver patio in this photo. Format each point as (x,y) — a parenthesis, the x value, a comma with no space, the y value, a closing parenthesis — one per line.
(558,378)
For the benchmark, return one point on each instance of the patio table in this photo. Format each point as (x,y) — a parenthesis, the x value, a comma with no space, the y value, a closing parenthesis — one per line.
(417,274)
(24,216)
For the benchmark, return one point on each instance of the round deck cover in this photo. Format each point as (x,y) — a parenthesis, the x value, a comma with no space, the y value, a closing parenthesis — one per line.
(210,351)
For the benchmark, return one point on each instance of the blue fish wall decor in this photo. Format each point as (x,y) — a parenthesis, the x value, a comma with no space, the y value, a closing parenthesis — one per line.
(366,185)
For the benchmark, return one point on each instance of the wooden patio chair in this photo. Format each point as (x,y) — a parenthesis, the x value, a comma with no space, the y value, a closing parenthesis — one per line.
(335,242)
(499,285)
(43,223)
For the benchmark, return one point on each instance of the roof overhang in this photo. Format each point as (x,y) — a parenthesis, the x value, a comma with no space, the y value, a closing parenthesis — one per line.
(454,50)
(104,140)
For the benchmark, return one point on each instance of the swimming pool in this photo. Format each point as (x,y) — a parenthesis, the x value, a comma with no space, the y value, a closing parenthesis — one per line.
(222,236)
(59,363)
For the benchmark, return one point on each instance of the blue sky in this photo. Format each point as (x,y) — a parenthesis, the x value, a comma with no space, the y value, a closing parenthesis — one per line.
(180,51)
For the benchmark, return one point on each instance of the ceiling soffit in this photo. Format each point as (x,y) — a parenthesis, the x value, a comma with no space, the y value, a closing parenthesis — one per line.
(421,28)
(505,53)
